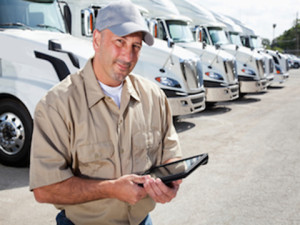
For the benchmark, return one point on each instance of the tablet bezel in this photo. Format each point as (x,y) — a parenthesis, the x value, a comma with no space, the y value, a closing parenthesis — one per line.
(202,160)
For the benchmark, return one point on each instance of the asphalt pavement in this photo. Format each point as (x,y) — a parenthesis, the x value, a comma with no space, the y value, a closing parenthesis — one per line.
(252,177)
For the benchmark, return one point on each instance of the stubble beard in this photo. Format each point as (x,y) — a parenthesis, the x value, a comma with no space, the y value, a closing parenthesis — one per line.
(121,74)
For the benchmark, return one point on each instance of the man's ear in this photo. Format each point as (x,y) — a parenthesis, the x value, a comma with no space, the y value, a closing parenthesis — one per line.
(96,39)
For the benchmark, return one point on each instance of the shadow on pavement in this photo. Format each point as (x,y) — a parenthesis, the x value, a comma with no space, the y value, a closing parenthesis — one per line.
(275,87)
(216,110)
(13,177)
(182,126)
(247,99)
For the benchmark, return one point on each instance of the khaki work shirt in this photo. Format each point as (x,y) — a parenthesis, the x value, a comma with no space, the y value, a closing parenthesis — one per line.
(78,131)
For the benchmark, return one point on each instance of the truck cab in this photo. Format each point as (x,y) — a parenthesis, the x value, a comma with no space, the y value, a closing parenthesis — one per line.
(36,54)
(281,67)
(276,65)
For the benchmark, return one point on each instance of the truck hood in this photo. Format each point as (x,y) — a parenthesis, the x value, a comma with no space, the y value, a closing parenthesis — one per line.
(162,48)
(242,53)
(40,39)
(208,51)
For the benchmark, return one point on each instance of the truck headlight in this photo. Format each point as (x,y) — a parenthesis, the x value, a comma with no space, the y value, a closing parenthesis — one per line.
(278,69)
(214,75)
(249,72)
(168,82)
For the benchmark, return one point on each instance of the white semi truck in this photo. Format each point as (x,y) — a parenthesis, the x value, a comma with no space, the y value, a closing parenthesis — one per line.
(250,65)
(176,70)
(219,67)
(234,32)
(36,53)
(281,67)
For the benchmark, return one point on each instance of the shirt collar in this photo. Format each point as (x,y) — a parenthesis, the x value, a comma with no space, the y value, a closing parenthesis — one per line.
(130,88)
(94,92)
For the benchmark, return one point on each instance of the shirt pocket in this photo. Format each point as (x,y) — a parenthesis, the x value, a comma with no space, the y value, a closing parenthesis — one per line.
(97,160)
(146,147)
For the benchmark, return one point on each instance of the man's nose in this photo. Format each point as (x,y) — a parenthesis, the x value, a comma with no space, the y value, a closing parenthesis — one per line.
(127,53)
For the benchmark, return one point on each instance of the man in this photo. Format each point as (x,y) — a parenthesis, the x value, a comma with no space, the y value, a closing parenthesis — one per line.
(99,128)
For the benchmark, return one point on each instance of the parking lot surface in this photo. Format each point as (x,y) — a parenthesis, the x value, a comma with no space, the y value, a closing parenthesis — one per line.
(252,177)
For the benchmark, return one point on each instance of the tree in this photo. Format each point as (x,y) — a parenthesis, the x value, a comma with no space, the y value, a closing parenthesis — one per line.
(289,40)
(265,42)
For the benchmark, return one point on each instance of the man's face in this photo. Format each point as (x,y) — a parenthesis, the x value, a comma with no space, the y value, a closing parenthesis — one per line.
(115,56)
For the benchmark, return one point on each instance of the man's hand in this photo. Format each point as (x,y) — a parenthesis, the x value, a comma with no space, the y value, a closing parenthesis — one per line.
(126,188)
(160,192)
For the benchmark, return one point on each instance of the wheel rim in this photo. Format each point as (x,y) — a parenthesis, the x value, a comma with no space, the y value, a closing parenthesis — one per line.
(12,136)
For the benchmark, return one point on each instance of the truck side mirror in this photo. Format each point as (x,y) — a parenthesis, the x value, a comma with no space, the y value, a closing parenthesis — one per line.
(87,22)
(68,18)
(66,12)
(198,34)
(170,42)
(153,28)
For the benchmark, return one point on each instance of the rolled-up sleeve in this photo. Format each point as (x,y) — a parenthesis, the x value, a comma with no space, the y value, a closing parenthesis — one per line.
(49,149)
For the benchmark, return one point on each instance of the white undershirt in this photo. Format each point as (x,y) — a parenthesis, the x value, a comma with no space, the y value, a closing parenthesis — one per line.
(113,92)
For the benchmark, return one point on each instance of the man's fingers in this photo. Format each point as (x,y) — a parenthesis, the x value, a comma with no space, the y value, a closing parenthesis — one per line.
(139,179)
(159,192)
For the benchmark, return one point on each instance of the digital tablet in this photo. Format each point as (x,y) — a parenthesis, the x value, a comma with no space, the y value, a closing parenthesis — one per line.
(178,169)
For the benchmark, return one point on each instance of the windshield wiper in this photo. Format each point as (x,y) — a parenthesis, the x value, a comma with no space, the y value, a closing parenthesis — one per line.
(18,24)
(49,26)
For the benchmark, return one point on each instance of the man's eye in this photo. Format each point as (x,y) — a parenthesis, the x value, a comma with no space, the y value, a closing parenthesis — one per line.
(119,42)
(137,47)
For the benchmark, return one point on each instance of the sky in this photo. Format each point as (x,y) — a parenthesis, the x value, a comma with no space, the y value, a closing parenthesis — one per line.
(259,15)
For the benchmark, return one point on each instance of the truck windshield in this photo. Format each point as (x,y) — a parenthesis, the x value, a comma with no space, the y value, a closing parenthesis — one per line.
(235,38)
(256,42)
(25,14)
(179,31)
(217,36)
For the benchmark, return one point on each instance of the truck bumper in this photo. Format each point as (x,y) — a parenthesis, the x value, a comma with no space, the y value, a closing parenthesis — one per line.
(220,94)
(185,105)
(280,78)
(270,79)
(254,86)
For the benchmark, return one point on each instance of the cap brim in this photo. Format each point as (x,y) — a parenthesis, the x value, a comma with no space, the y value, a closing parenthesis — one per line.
(130,28)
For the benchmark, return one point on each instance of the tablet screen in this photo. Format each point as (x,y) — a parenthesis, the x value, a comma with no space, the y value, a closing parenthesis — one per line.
(178,169)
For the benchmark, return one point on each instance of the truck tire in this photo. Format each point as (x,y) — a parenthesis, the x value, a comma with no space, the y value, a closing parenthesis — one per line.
(16,127)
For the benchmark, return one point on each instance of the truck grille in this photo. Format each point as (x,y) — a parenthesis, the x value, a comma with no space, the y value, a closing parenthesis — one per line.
(287,65)
(271,66)
(192,73)
(260,68)
(230,70)
(197,100)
